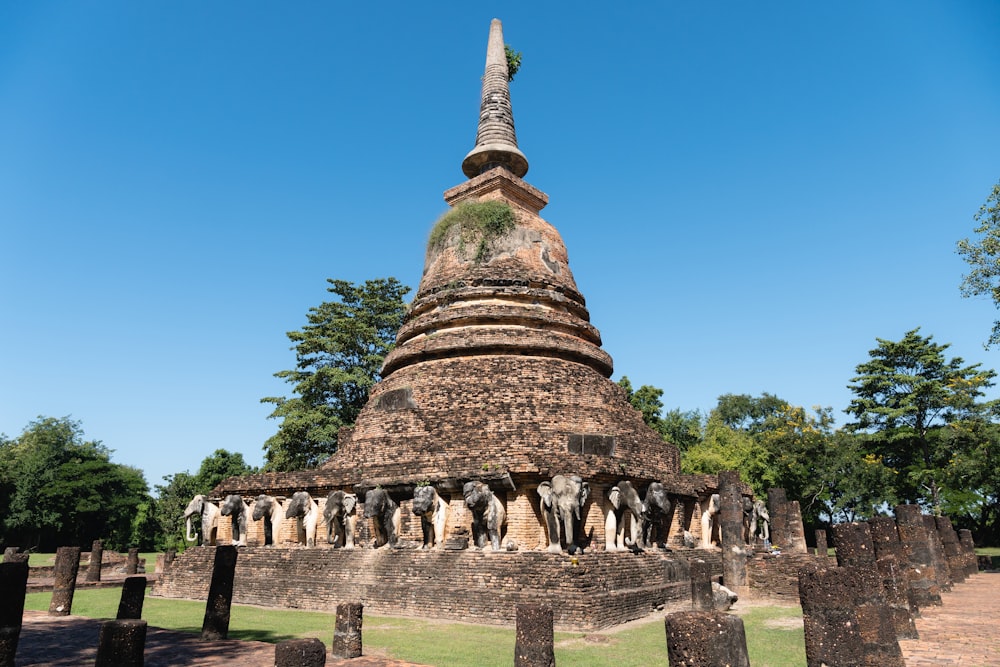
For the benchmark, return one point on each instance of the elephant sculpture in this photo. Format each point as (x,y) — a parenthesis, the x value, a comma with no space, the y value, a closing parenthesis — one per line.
(747,507)
(305,511)
(271,511)
(760,523)
(341,516)
(625,512)
(433,512)
(655,509)
(384,513)
(709,520)
(563,499)
(235,507)
(488,515)
(209,513)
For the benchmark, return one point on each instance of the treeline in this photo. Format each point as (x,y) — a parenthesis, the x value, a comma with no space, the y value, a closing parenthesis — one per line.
(920,432)
(59,489)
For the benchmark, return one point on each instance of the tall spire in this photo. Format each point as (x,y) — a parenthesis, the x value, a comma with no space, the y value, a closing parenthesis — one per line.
(496,142)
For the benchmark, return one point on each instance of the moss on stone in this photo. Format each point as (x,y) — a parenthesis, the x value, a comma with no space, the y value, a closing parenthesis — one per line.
(478,222)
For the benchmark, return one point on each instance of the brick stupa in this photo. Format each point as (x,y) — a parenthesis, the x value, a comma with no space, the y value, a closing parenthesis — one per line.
(497,374)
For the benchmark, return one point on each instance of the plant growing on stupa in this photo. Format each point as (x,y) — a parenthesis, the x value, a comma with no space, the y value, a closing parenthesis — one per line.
(481,223)
(513,61)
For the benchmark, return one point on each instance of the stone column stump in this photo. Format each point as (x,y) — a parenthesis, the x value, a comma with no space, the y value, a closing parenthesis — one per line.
(300,653)
(13,585)
(347,634)
(220,594)
(952,548)
(133,596)
(66,569)
(96,558)
(705,639)
(534,646)
(777,507)
(734,550)
(846,619)
(121,643)
(940,561)
(853,542)
(132,564)
(917,550)
(701,586)
(796,540)
(969,548)
(822,548)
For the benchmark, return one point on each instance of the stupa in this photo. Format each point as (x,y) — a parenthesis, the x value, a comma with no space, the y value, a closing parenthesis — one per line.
(499,377)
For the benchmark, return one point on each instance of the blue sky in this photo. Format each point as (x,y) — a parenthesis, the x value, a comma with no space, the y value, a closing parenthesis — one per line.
(750,193)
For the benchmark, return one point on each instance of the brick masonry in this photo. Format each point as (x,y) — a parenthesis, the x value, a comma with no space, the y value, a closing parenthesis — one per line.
(599,590)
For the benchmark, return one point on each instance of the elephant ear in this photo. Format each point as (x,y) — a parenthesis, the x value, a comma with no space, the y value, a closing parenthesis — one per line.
(584,493)
(615,497)
(545,491)
(350,501)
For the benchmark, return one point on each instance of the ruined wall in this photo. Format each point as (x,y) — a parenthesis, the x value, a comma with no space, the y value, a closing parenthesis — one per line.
(600,590)
(777,577)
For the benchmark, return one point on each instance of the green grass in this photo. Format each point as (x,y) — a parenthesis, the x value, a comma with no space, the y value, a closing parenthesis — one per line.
(774,634)
(49,559)
(988,551)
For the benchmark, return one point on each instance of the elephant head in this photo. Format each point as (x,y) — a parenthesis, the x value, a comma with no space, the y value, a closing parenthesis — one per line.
(655,508)
(761,523)
(562,500)
(488,514)
(209,513)
(433,512)
(340,513)
(235,507)
(269,509)
(384,513)
(625,512)
(303,508)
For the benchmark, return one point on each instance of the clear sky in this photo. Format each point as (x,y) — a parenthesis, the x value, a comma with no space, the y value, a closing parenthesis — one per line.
(750,193)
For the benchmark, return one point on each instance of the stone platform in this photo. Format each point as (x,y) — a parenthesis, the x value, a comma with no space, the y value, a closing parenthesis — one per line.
(588,592)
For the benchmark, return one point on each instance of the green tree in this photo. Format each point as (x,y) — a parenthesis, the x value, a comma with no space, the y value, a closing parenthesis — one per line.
(683,428)
(646,400)
(64,490)
(903,397)
(339,354)
(983,257)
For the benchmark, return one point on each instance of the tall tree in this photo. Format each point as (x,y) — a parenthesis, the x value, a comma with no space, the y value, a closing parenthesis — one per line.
(64,490)
(983,257)
(904,395)
(339,354)
(645,399)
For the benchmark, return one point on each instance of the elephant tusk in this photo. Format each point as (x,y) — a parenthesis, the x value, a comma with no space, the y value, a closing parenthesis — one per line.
(188,535)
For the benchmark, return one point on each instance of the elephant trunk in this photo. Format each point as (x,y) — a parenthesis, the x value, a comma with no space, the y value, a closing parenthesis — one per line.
(188,535)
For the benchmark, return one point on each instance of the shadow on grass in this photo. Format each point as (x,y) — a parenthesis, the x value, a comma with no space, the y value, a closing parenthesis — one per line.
(245,635)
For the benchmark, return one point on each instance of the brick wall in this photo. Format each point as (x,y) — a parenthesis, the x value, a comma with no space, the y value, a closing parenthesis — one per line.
(601,590)
(777,577)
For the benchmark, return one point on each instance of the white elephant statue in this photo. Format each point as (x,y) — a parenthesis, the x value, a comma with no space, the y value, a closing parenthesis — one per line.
(760,524)
(305,511)
(209,513)
(236,507)
(625,513)
(710,520)
(433,512)
(272,512)
(562,503)
(341,516)
(488,515)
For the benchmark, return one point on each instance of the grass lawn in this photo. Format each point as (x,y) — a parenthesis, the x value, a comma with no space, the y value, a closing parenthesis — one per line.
(774,634)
